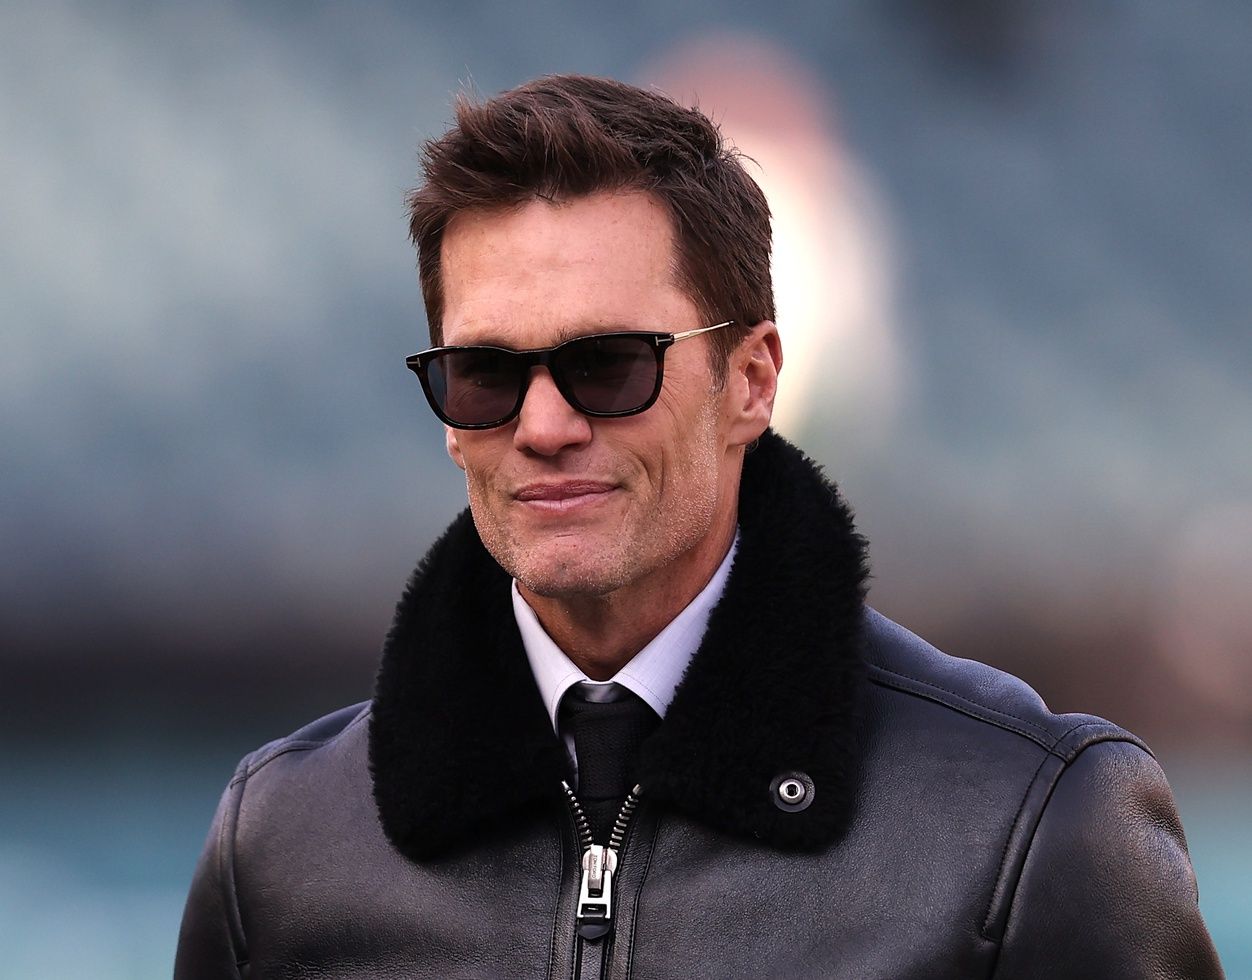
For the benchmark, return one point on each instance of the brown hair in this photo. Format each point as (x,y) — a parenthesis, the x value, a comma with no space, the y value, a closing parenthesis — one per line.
(567,136)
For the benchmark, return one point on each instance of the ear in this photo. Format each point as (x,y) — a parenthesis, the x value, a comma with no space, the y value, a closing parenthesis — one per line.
(752,383)
(454,447)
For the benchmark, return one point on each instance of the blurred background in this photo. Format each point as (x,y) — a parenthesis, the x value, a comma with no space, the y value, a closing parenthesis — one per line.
(1013,247)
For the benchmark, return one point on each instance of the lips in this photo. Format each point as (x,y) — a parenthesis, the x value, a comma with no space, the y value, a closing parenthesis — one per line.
(566,490)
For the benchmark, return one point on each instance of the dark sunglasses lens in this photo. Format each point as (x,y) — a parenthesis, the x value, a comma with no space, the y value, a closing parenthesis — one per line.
(609,375)
(475,385)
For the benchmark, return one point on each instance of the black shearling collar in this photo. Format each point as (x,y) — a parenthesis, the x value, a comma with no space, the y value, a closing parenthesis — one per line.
(773,688)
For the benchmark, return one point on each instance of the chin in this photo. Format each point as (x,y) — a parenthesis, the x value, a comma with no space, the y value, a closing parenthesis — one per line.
(559,576)
(568,583)
(560,564)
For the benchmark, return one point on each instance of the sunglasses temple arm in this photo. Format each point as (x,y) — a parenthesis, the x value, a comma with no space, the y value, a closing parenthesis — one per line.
(699,330)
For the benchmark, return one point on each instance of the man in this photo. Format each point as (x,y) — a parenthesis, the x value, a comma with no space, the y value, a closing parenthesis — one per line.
(633,717)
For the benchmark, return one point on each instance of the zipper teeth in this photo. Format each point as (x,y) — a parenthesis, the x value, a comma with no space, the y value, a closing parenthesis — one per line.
(580,817)
(618,835)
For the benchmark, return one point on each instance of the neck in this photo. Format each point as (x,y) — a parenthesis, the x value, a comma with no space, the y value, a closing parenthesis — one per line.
(602,633)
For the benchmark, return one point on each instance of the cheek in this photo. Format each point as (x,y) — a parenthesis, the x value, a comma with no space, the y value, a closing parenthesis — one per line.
(690,472)
(478,485)
(490,517)
(479,454)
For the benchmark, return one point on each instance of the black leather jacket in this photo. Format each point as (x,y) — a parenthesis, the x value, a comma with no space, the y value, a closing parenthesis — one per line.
(828,796)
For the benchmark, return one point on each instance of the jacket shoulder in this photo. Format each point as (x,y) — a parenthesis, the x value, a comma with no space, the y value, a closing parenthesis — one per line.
(315,735)
(212,940)
(900,661)
(1091,872)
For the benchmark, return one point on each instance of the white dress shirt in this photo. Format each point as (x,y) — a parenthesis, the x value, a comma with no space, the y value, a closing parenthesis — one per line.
(653,673)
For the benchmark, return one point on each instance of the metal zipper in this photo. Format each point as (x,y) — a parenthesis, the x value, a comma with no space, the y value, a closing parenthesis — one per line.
(594,918)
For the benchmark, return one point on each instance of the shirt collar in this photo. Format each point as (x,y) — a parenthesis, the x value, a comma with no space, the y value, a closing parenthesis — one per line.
(653,673)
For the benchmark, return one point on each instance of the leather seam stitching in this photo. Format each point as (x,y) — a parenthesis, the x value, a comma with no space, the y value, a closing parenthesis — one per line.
(302,745)
(556,907)
(1040,736)
(1070,754)
(226,842)
(1004,851)
(955,694)
(643,880)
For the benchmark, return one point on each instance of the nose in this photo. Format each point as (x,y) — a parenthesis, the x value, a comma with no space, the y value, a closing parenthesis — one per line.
(547,423)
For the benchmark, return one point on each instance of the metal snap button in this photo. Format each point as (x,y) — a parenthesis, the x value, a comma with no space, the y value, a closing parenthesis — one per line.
(792,791)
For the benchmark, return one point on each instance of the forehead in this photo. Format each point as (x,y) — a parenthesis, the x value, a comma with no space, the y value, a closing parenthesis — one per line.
(539,273)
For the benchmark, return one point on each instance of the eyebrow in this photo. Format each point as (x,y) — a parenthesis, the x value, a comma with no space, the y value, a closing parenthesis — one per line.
(563,334)
(573,333)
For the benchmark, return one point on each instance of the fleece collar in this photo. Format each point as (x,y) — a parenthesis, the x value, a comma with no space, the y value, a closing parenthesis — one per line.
(774,688)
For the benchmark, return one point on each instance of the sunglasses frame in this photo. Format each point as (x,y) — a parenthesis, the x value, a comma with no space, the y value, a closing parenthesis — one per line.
(546,357)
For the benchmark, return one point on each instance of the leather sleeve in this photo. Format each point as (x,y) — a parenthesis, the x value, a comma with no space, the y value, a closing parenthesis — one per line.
(210,942)
(1107,889)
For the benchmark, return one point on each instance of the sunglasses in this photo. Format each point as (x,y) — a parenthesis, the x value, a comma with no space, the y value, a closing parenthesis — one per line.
(605,376)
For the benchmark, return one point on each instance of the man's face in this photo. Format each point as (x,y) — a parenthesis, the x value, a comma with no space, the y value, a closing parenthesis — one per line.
(571,505)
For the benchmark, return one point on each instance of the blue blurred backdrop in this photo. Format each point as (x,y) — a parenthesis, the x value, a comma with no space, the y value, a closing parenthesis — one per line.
(1014,291)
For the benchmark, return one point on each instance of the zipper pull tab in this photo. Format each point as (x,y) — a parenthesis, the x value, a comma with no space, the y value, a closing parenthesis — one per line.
(595,895)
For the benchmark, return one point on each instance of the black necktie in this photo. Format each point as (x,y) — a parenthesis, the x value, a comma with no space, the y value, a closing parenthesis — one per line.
(607,732)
